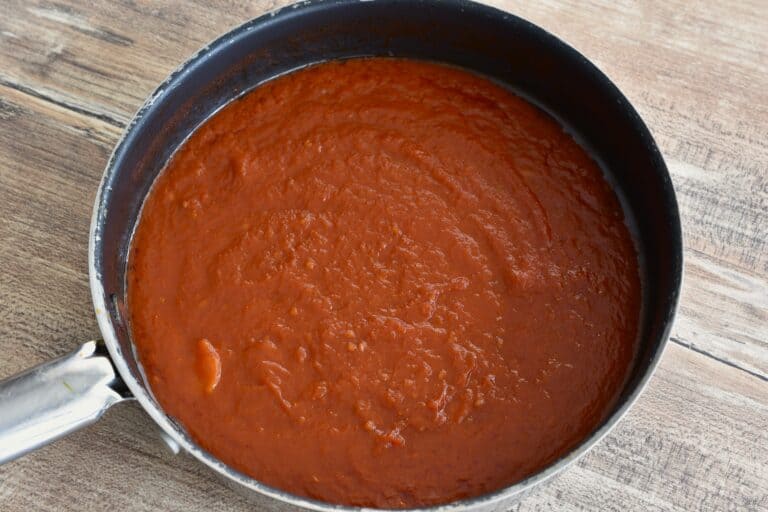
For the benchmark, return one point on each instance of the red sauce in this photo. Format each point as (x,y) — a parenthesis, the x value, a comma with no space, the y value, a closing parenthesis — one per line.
(384,283)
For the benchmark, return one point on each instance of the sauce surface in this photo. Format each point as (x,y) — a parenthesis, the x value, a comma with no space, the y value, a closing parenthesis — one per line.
(384,282)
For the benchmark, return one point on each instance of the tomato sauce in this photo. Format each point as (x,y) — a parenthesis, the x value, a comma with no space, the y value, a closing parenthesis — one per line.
(384,282)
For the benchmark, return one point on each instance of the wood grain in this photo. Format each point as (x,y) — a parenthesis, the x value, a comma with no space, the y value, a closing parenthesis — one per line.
(72,74)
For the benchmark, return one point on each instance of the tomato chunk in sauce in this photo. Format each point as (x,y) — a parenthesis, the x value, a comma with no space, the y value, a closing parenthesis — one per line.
(384,282)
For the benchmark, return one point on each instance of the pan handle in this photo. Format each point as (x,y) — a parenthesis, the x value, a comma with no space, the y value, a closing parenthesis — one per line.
(55,398)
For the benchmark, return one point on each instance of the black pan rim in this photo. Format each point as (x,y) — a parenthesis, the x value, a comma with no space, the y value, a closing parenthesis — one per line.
(306,8)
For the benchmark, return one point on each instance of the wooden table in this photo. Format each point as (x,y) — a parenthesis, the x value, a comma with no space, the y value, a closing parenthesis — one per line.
(72,74)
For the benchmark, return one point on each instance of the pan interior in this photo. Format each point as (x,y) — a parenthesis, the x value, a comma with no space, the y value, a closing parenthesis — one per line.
(483,40)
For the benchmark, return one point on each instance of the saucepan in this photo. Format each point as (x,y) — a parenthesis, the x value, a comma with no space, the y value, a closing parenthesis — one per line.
(60,396)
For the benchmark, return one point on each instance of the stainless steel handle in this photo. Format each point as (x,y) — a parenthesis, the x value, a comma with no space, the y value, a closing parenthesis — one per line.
(55,398)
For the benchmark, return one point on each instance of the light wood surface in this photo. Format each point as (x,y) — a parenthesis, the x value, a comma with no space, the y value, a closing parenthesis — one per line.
(72,74)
